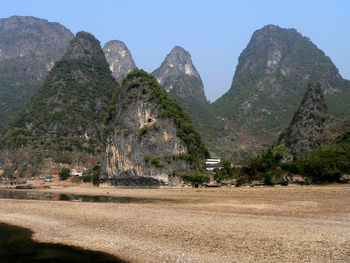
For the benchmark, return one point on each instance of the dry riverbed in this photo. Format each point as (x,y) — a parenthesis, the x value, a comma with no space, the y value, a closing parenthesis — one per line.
(260,224)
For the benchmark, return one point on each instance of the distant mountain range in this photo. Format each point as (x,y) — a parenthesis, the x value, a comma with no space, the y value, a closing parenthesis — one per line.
(29,48)
(271,77)
(63,121)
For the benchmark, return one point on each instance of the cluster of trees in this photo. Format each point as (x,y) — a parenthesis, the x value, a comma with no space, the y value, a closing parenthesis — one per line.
(325,164)
(89,176)
(266,166)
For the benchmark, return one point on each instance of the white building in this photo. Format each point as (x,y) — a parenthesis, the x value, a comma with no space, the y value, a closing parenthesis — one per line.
(213,163)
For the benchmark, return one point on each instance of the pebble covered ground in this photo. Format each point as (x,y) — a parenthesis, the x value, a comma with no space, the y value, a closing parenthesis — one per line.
(260,224)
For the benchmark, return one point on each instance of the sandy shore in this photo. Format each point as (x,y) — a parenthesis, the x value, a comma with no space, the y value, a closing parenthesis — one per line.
(277,224)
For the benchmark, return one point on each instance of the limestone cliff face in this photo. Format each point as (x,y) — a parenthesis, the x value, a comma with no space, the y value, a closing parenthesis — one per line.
(181,80)
(119,59)
(179,77)
(143,142)
(309,125)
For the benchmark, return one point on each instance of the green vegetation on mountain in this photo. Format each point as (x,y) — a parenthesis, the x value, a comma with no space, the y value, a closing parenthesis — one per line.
(309,126)
(269,82)
(65,116)
(68,106)
(29,48)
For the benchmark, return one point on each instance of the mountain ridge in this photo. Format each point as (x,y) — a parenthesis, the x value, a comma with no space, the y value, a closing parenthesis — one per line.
(268,84)
(62,123)
(29,47)
(119,59)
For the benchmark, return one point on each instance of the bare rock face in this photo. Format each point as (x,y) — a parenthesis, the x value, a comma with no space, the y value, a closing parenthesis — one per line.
(119,59)
(29,47)
(25,36)
(308,128)
(149,137)
(178,76)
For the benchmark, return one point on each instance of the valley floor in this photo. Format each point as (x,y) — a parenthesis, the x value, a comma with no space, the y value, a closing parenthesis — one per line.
(260,224)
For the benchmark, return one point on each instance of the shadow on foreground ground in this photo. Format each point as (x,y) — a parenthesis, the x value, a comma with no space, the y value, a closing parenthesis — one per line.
(16,245)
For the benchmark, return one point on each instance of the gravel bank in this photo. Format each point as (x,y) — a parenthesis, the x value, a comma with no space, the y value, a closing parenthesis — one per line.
(280,224)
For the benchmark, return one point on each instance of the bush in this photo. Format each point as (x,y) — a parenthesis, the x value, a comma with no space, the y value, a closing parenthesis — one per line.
(146,158)
(92,175)
(195,179)
(156,162)
(325,164)
(270,178)
(290,167)
(143,131)
(227,172)
(240,182)
(95,179)
(266,166)
(63,158)
(64,174)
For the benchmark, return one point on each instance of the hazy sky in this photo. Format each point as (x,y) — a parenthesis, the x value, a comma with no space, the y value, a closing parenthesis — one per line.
(214,32)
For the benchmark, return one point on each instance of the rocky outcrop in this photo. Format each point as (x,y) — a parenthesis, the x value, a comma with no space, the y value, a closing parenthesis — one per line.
(119,59)
(148,136)
(29,47)
(178,76)
(62,122)
(308,129)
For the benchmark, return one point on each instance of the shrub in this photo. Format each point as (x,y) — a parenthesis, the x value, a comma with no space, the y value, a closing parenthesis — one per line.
(240,182)
(143,131)
(63,158)
(195,179)
(325,164)
(227,172)
(64,174)
(146,158)
(95,179)
(156,162)
(266,165)
(269,178)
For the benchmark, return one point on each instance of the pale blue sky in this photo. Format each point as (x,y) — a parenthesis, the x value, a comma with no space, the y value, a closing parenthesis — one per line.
(214,32)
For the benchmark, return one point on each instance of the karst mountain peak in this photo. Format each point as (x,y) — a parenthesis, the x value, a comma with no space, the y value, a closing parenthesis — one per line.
(181,80)
(119,59)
